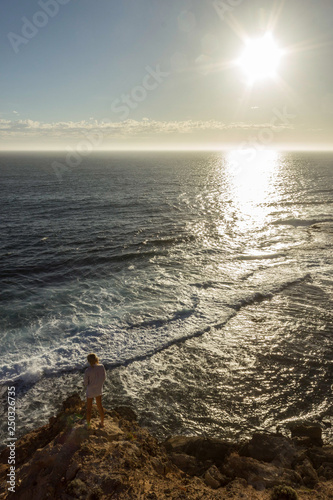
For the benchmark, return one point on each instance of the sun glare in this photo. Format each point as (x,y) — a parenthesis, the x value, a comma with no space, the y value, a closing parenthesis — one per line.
(260,59)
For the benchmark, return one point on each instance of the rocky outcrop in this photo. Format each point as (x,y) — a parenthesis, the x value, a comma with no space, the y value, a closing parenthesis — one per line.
(277,449)
(264,462)
(203,449)
(65,460)
(307,434)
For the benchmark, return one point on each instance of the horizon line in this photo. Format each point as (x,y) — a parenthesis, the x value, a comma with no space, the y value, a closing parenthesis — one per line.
(176,149)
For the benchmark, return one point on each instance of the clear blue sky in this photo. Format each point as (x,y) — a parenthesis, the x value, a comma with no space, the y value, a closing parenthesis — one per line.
(174,58)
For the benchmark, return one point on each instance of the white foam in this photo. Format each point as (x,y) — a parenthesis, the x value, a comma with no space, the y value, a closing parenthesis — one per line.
(118,344)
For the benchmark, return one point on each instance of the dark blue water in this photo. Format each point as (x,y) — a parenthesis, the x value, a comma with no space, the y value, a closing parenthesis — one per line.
(202,280)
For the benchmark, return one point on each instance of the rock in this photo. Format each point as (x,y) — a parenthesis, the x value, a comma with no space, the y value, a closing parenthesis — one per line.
(269,448)
(302,442)
(28,444)
(214,478)
(98,439)
(307,473)
(325,472)
(161,467)
(77,488)
(72,470)
(48,465)
(73,402)
(312,432)
(126,413)
(258,474)
(320,455)
(96,493)
(201,448)
(211,481)
(112,484)
(322,460)
(235,489)
(187,464)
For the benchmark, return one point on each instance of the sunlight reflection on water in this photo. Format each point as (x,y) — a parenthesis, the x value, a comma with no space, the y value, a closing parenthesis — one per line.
(252,182)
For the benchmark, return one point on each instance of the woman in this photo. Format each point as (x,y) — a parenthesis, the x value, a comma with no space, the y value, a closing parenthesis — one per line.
(94,377)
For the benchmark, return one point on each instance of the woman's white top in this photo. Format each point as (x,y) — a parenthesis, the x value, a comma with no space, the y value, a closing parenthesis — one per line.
(94,377)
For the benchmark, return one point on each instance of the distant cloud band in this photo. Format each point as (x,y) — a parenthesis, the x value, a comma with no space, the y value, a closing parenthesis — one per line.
(125,129)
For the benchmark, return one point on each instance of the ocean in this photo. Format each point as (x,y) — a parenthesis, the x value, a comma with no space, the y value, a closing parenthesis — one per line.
(202,280)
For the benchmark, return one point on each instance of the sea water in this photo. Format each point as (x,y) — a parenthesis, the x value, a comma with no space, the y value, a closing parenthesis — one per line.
(202,280)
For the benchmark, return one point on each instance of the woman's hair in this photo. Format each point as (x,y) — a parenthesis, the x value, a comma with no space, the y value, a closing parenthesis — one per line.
(92,359)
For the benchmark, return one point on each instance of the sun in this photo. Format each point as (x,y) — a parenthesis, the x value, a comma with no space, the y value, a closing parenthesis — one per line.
(260,59)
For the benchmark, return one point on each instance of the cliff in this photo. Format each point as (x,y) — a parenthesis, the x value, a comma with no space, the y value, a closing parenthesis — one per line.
(64,460)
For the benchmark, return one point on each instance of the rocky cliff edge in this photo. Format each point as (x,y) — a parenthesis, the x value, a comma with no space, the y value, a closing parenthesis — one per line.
(64,460)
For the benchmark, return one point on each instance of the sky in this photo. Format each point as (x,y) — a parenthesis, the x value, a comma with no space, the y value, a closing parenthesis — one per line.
(160,74)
